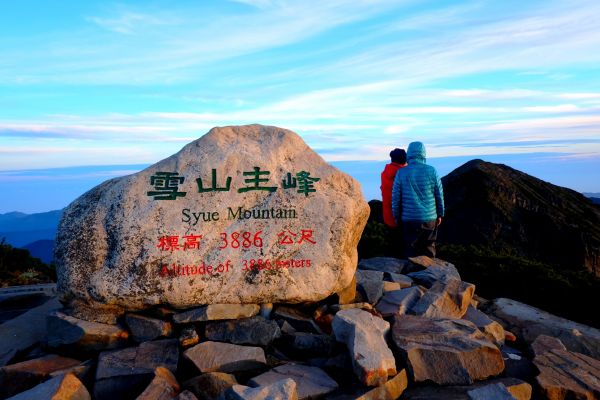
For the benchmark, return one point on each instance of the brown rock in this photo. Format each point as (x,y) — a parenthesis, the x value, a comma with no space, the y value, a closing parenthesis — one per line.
(18,377)
(163,386)
(225,357)
(215,312)
(490,328)
(94,311)
(189,337)
(62,387)
(347,295)
(391,390)
(545,343)
(445,351)
(445,299)
(568,375)
(211,385)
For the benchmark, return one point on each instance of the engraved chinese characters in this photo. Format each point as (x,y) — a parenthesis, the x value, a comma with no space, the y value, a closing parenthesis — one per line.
(245,214)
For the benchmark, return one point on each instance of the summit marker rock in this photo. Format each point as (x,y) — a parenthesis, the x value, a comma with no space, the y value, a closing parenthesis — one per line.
(245,214)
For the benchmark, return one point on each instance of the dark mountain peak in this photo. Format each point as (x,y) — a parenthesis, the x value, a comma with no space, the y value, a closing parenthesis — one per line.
(498,206)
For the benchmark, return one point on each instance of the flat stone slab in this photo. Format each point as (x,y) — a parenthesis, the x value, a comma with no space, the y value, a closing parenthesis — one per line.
(445,351)
(255,331)
(528,323)
(63,387)
(245,214)
(311,382)
(568,375)
(25,330)
(215,312)
(66,331)
(225,357)
(383,264)
(364,335)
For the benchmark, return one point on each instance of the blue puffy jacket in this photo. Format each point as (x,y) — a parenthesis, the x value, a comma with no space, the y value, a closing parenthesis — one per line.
(417,194)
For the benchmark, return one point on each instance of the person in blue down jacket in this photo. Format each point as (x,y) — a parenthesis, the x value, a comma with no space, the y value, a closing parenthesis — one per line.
(418,202)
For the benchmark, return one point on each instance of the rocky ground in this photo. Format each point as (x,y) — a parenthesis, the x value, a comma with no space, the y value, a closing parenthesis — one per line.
(408,329)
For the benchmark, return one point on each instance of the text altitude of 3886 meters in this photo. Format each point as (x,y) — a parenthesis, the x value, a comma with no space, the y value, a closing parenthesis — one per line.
(170,186)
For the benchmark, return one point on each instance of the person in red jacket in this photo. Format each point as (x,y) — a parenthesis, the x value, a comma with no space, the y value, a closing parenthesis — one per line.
(398,157)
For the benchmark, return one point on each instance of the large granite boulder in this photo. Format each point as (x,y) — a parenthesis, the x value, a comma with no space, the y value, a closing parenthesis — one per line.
(245,214)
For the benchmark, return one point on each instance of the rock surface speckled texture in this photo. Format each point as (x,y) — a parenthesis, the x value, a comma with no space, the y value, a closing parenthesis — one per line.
(108,245)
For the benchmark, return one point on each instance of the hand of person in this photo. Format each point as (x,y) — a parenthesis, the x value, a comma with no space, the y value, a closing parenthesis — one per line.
(438,221)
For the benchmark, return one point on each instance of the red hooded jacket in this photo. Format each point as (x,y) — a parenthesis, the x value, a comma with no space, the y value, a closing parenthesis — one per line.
(387,181)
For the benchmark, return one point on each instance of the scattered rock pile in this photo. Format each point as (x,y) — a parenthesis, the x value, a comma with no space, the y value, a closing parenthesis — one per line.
(408,329)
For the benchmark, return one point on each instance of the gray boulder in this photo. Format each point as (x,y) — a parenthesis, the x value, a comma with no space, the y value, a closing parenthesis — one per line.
(364,335)
(225,357)
(370,285)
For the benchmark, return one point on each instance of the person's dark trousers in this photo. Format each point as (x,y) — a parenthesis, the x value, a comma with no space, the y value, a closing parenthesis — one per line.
(394,242)
(419,238)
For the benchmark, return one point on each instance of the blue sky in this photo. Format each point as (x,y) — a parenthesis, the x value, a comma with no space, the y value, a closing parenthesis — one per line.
(129,83)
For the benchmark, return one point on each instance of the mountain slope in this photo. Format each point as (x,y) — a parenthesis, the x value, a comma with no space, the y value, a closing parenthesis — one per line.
(496,206)
(20,229)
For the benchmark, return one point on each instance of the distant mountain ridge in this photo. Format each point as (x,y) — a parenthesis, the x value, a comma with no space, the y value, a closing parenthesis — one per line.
(20,229)
(497,206)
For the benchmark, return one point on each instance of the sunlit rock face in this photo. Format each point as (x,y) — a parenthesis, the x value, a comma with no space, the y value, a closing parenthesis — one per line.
(245,214)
